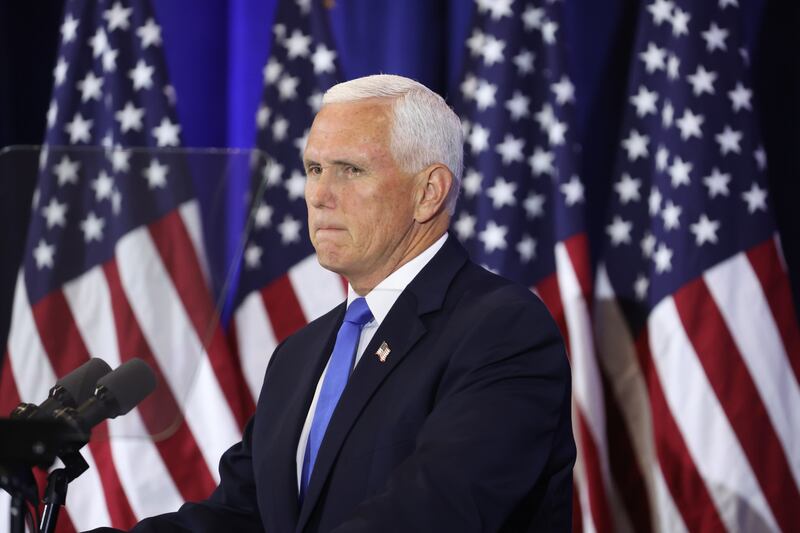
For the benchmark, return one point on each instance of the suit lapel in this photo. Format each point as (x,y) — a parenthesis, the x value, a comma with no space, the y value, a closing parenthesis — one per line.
(280,470)
(401,330)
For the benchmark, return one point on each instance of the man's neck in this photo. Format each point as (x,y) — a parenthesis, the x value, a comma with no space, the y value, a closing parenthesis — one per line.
(382,297)
(416,245)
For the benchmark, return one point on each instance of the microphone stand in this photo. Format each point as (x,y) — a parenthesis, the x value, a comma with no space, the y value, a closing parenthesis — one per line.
(55,495)
(39,442)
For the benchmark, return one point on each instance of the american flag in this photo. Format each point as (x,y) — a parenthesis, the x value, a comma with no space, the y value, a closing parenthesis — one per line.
(282,286)
(115,268)
(523,203)
(694,313)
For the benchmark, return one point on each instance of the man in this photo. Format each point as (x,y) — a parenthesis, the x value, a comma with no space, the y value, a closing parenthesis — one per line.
(455,414)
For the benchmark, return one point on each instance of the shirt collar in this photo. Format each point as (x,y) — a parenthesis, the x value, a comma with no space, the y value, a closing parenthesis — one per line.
(385,294)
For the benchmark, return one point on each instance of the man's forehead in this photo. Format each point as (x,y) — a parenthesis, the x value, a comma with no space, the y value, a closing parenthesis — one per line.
(362,126)
(372,109)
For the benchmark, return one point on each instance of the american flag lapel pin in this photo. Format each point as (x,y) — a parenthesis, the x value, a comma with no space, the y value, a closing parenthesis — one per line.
(383,352)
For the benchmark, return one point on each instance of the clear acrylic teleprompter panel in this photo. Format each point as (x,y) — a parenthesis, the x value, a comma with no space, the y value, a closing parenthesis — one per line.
(131,253)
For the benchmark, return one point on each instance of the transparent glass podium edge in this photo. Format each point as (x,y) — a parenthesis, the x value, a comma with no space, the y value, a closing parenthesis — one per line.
(135,252)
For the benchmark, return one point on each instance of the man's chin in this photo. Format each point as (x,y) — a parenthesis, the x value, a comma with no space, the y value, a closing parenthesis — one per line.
(328,262)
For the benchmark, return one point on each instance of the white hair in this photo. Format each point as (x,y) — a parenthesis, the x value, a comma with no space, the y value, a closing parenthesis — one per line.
(424,128)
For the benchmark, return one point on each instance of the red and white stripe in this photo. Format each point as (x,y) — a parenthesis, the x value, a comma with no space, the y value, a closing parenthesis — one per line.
(715,364)
(268,316)
(90,301)
(587,395)
(617,354)
(149,301)
(566,294)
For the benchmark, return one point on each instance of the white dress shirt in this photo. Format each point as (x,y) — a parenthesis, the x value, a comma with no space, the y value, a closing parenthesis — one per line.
(380,301)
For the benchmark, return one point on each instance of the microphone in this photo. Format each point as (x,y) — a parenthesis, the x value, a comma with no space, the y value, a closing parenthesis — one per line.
(116,394)
(69,391)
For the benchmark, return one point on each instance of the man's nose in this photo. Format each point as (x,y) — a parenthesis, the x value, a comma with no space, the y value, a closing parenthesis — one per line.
(320,190)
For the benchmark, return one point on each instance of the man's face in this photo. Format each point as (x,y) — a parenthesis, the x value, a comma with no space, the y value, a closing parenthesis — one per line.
(360,203)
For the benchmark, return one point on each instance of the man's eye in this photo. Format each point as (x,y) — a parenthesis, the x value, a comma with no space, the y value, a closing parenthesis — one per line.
(352,170)
(314,170)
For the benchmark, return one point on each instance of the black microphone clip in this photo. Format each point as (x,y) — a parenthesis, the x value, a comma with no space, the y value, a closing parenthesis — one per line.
(69,391)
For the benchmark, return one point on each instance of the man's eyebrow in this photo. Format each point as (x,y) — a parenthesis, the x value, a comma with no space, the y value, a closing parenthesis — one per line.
(346,162)
(336,162)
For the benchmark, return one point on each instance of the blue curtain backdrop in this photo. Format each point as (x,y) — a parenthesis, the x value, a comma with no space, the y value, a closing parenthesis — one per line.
(216,49)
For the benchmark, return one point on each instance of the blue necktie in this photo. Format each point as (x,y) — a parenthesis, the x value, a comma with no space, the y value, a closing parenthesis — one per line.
(339,367)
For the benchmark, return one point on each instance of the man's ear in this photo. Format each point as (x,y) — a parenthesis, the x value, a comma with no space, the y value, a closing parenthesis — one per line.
(434,185)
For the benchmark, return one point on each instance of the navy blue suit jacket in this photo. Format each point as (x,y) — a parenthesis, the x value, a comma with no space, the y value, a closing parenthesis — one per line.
(465,426)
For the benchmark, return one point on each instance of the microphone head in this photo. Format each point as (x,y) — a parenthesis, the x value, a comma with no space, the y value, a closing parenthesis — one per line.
(129,384)
(81,382)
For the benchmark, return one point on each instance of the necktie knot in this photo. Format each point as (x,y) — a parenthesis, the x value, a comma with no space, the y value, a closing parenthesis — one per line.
(358,312)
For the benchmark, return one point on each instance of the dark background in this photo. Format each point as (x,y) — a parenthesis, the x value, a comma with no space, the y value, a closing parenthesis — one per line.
(215,50)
